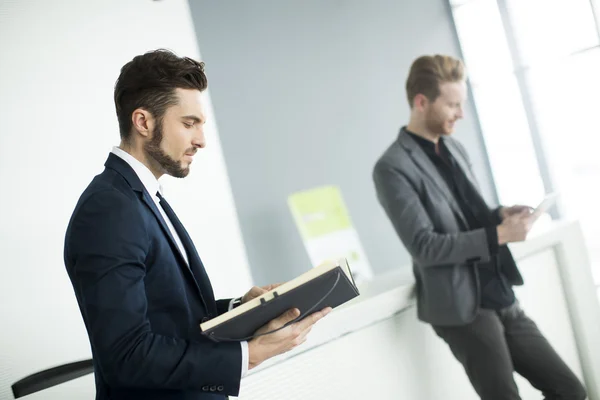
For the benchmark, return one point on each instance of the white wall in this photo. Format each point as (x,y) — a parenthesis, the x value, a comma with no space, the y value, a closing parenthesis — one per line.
(317,89)
(59,63)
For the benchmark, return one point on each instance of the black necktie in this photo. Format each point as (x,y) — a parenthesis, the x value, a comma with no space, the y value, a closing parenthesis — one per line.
(195,263)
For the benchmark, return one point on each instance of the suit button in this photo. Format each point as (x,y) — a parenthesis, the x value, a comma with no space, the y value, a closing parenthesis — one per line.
(220,388)
(205,388)
(213,388)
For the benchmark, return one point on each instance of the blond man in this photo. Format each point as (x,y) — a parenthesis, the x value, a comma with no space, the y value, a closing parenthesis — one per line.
(463,269)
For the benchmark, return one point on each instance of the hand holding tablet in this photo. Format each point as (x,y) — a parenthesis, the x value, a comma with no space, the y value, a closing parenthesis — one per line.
(544,206)
(518,220)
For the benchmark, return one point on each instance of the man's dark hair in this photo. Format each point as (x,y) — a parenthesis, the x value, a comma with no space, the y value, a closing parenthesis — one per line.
(149,82)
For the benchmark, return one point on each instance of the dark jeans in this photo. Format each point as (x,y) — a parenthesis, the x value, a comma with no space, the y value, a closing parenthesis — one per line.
(497,343)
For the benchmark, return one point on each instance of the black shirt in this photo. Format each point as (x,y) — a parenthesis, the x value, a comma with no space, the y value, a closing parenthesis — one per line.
(496,292)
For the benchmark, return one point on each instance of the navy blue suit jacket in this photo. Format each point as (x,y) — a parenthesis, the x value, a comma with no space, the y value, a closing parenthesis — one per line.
(141,303)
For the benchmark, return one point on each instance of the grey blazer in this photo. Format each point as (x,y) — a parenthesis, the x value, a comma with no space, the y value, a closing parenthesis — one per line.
(428,220)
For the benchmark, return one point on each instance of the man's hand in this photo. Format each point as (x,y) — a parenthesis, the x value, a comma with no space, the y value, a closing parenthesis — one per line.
(257,291)
(264,347)
(506,212)
(515,227)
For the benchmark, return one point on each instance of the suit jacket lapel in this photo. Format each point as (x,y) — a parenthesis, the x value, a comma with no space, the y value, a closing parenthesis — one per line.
(462,162)
(119,165)
(195,263)
(192,270)
(429,169)
(198,270)
(163,224)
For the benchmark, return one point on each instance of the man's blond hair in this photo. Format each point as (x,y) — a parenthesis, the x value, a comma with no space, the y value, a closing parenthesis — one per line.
(428,72)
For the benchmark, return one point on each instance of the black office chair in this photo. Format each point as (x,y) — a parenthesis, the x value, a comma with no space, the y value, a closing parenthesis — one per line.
(51,377)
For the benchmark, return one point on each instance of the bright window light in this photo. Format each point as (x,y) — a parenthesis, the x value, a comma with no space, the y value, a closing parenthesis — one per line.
(482,40)
(547,29)
(566,102)
(508,141)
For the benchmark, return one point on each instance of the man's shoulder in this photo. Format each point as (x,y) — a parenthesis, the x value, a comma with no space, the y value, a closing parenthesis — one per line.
(106,190)
(394,157)
(108,211)
(109,182)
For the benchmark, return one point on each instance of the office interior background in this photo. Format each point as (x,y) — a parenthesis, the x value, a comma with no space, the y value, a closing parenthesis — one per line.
(301,94)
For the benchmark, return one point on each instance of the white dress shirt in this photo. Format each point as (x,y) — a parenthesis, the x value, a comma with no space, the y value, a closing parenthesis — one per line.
(153,186)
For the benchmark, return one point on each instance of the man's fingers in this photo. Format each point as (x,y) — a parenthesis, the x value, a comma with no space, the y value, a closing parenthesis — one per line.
(288,316)
(302,336)
(255,291)
(313,318)
(271,287)
(526,209)
(515,218)
(519,209)
(294,313)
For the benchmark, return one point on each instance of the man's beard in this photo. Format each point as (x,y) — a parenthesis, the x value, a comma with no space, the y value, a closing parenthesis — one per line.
(169,165)
(435,124)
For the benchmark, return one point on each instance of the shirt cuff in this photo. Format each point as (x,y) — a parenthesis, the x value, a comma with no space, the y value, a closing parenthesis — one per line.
(245,358)
(492,239)
(232,304)
(244,344)
(245,355)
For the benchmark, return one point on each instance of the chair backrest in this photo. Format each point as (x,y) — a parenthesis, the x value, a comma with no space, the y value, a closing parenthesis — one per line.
(51,377)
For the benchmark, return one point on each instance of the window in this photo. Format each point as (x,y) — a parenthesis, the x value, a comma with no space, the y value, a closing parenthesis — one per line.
(482,40)
(498,102)
(566,100)
(550,29)
(533,66)
(508,140)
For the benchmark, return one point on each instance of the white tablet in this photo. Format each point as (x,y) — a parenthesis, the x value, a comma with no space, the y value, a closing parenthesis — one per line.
(545,205)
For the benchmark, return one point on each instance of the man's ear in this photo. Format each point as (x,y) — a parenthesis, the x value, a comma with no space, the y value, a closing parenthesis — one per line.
(142,121)
(420,102)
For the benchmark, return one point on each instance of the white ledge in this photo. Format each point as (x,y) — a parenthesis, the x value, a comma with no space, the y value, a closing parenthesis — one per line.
(380,299)
(389,294)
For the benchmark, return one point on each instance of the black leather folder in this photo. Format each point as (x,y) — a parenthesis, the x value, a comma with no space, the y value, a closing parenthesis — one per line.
(327,285)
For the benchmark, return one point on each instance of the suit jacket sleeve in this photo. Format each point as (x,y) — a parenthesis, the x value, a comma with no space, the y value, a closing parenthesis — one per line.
(428,248)
(108,247)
